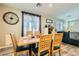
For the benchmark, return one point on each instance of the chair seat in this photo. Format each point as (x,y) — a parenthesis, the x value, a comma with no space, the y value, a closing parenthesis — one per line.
(56,47)
(22,48)
(35,51)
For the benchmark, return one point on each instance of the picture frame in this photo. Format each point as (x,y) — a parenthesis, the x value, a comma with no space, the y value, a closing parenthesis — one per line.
(49,21)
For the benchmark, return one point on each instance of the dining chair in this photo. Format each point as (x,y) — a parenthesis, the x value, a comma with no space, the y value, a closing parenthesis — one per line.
(44,46)
(56,44)
(53,33)
(18,49)
(29,33)
(37,34)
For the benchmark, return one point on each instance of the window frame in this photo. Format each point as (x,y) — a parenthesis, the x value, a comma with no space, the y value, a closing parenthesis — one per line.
(23,12)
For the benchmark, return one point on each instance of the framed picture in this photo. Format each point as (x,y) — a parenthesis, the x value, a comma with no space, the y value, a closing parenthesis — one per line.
(49,21)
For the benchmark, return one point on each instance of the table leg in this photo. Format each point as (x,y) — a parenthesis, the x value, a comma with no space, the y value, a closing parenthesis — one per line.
(51,48)
(30,50)
(31,46)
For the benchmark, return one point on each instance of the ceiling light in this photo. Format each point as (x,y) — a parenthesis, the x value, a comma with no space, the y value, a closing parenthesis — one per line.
(50,5)
(38,5)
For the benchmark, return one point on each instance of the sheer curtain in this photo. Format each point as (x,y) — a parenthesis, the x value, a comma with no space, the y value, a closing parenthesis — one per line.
(59,25)
(30,23)
(73,25)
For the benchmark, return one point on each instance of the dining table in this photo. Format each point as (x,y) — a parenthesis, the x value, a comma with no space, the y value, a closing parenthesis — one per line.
(23,41)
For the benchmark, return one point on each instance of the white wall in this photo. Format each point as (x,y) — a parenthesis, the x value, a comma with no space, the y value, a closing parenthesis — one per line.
(70,15)
(6,29)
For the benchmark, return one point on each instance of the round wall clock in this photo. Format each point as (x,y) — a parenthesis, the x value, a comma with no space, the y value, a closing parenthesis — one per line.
(10,18)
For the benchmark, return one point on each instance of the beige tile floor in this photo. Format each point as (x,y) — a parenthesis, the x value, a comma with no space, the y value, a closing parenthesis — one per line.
(66,50)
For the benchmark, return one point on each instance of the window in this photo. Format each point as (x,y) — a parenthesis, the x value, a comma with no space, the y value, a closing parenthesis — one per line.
(73,25)
(30,22)
(59,25)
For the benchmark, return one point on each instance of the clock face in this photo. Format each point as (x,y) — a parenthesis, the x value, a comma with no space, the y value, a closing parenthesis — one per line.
(10,18)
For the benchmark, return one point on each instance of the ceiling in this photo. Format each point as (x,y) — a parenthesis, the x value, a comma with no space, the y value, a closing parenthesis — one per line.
(45,10)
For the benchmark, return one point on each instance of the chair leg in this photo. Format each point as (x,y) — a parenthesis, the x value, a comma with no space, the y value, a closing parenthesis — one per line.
(27,53)
(32,54)
(53,54)
(15,54)
(59,53)
(49,53)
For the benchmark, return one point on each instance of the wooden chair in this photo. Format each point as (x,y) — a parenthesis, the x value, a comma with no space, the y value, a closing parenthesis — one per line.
(29,33)
(44,46)
(37,34)
(54,32)
(56,44)
(18,49)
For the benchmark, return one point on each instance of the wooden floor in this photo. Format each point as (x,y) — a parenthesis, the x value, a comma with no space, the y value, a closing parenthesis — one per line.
(67,50)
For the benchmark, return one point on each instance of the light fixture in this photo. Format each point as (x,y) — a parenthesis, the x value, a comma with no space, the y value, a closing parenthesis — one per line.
(69,16)
(50,5)
(38,5)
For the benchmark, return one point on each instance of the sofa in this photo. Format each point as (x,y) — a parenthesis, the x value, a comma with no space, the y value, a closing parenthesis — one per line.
(70,37)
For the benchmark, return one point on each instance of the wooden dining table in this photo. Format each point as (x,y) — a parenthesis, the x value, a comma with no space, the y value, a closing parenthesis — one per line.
(23,41)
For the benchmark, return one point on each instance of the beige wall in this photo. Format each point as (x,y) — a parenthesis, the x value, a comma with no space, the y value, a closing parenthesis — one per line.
(6,29)
(43,22)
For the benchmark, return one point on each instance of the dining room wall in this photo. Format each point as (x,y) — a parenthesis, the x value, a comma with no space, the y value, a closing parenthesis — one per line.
(71,16)
(6,29)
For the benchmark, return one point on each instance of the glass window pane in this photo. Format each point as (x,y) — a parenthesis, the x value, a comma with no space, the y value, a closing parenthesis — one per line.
(31,23)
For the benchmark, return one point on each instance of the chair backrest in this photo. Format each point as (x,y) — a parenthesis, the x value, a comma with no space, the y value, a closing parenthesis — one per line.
(37,34)
(45,43)
(14,42)
(29,33)
(57,39)
(54,32)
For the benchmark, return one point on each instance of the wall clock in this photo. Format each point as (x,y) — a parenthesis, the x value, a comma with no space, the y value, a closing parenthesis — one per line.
(10,18)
